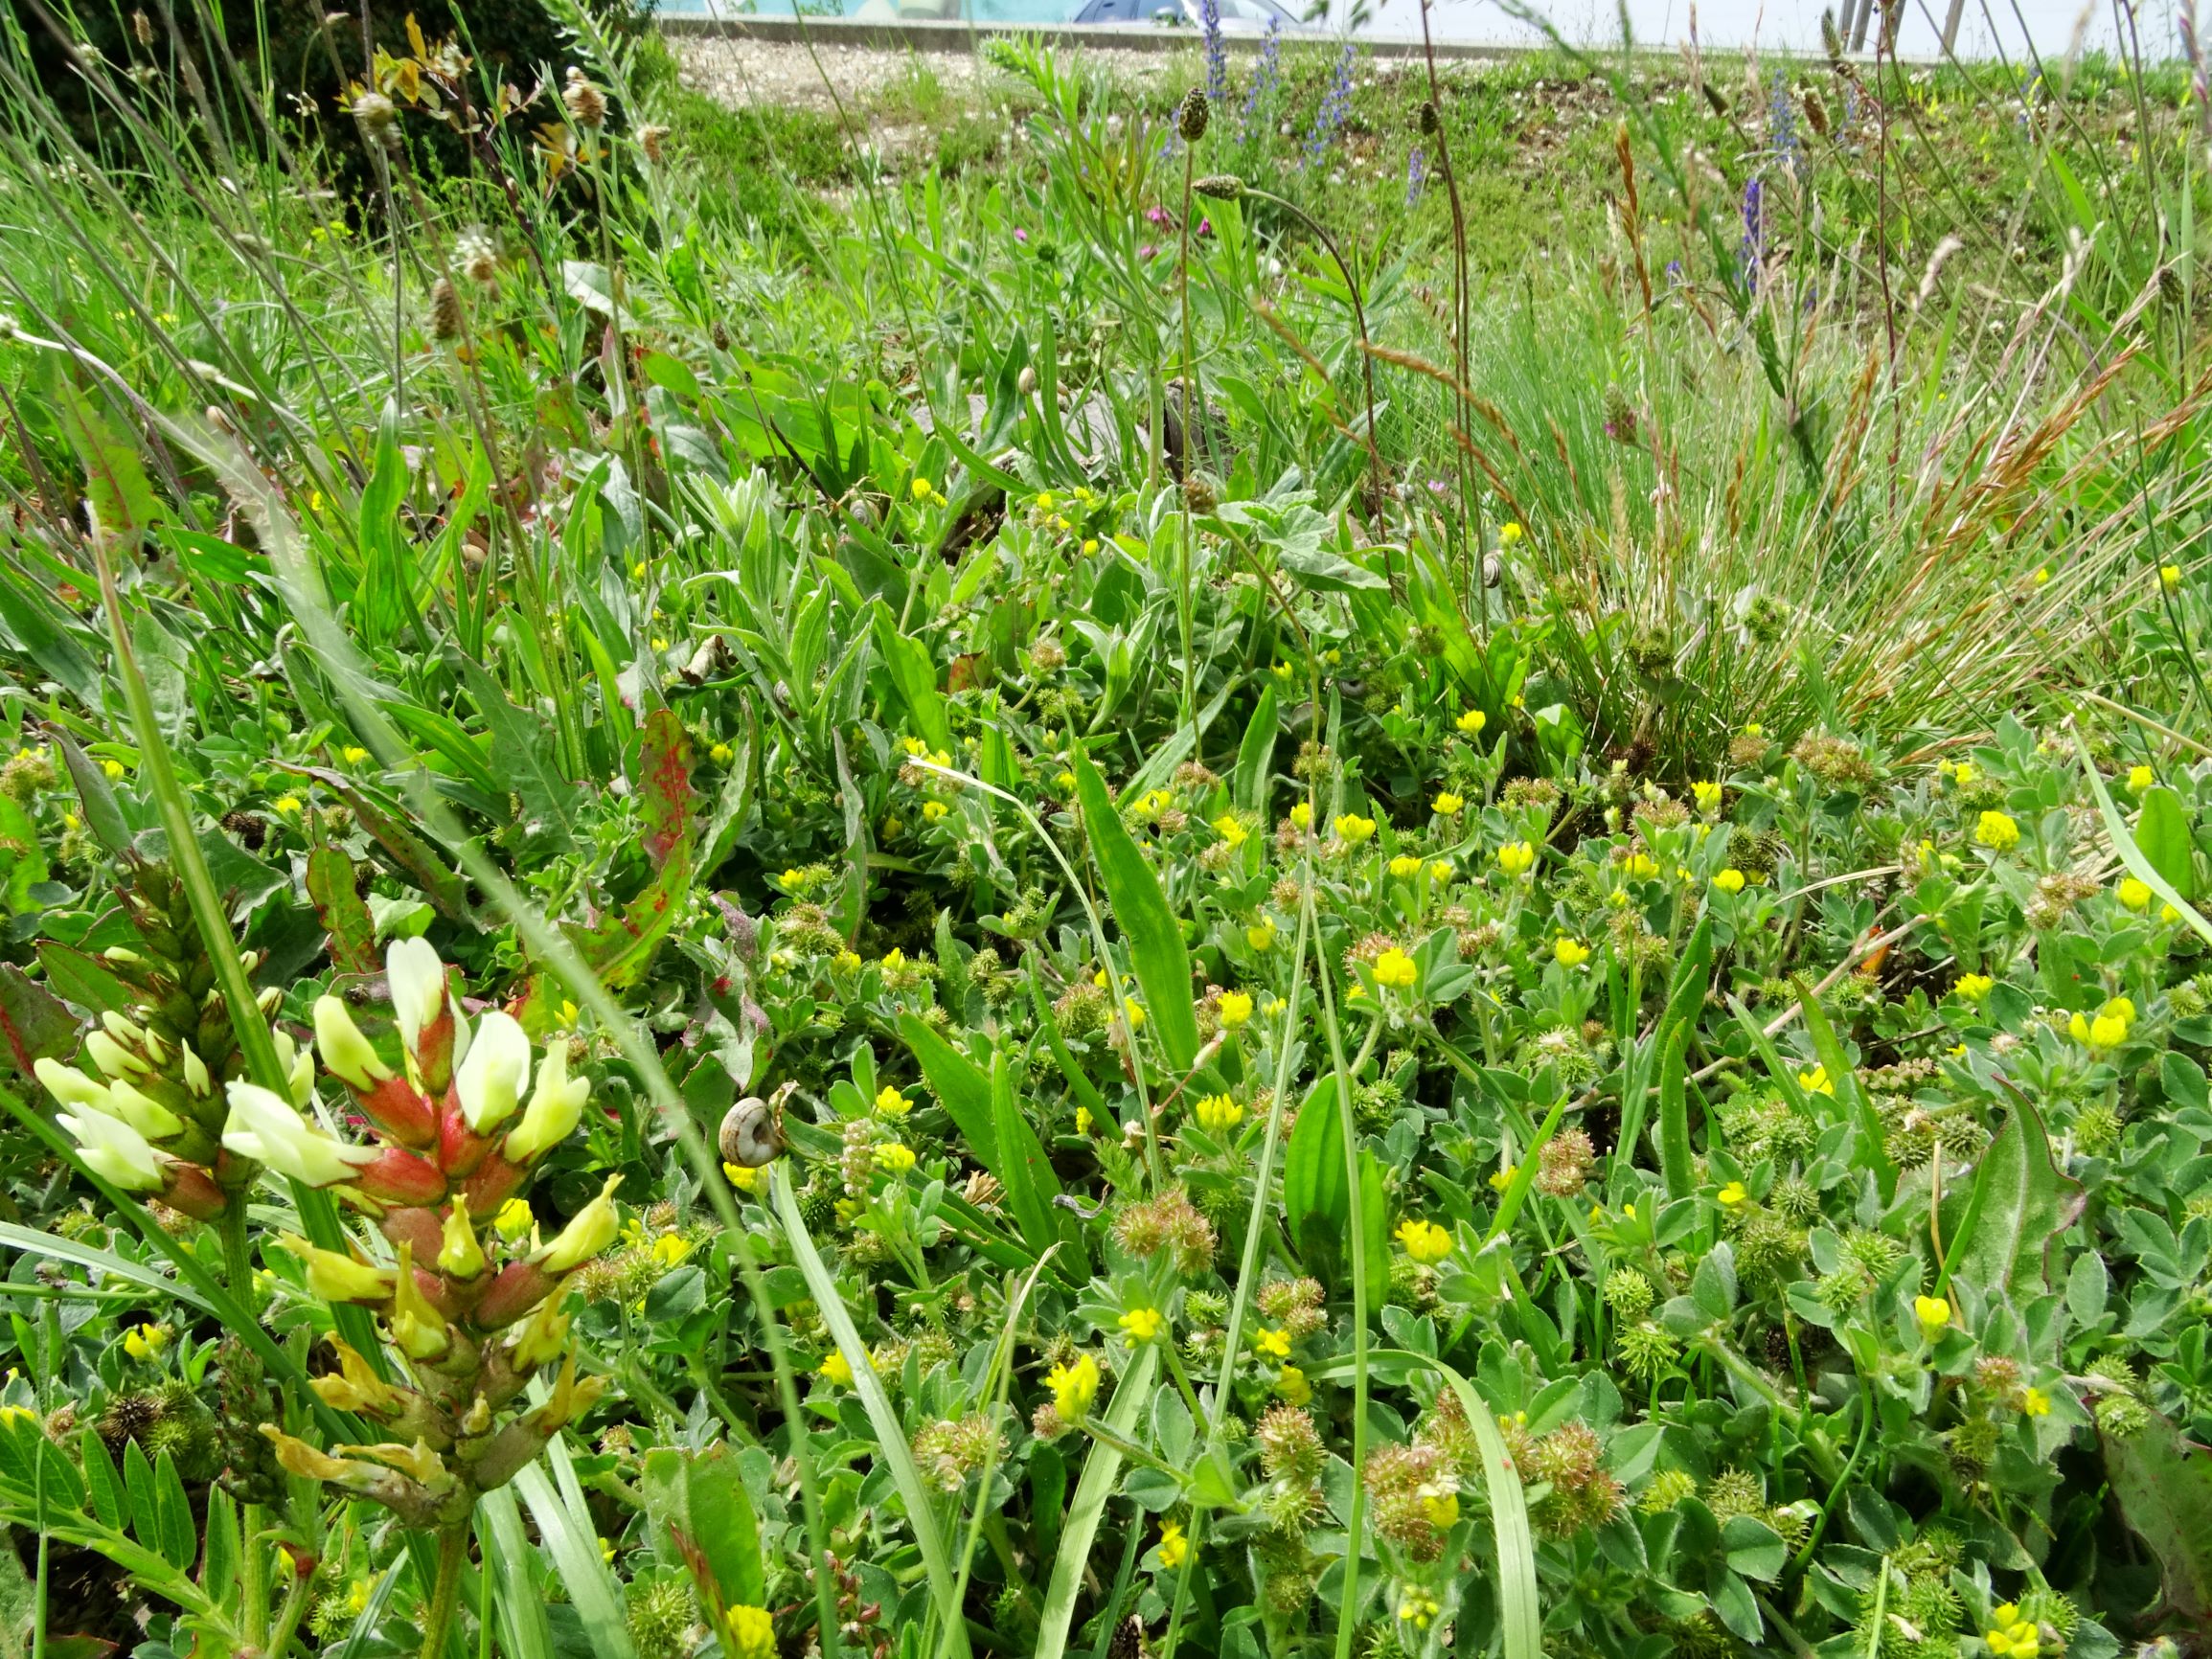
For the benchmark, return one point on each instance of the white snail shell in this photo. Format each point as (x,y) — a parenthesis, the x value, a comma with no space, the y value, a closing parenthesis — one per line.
(751,1137)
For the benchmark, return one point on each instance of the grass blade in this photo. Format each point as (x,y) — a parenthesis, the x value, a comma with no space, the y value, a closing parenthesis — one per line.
(1148,927)
(890,1433)
(1099,1471)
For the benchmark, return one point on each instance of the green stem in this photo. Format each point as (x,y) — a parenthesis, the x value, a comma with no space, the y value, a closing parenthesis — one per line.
(1191,417)
(446,1594)
(289,1616)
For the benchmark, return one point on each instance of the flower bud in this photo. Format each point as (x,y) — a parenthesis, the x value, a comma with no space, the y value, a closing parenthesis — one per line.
(113,1151)
(376,113)
(70,1086)
(347,1055)
(518,1287)
(417,1327)
(149,1118)
(554,1108)
(113,1060)
(545,1337)
(591,1231)
(395,1175)
(266,1128)
(420,1003)
(587,103)
(444,310)
(491,1079)
(460,1256)
(1220,187)
(333,1276)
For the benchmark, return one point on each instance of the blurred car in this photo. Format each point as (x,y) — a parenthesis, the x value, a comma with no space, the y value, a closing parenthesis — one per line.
(1238,16)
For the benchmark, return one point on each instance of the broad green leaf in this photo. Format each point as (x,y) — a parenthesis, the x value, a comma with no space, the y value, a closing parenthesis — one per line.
(2019,1203)
(1026,1173)
(1317,1198)
(2164,1488)
(960,1085)
(1256,755)
(1100,1471)
(664,786)
(914,675)
(1873,1145)
(175,1535)
(624,945)
(33,1024)
(345,920)
(1148,927)
(122,501)
(699,1493)
(1676,1167)
(103,811)
(2162,832)
(523,744)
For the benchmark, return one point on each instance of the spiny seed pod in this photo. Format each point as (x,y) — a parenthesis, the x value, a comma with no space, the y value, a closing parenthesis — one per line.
(444,310)
(653,141)
(587,103)
(1201,494)
(1219,185)
(1431,122)
(1191,115)
(375,114)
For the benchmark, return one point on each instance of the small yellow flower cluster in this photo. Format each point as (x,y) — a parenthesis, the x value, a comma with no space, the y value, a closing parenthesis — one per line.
(1424,1242)
(1933,1313)
(1972,986)
(1395,970)
(1074,1388)
(1569,952)
(1217,1114)
(1816,1082)
(2134,895)
(1235,1008)
(1729,880)
(2012,1634)
(1143,1324)
(1351,828)
(1174,1547)
(2109,1027)
(1997,831)
(1517,858)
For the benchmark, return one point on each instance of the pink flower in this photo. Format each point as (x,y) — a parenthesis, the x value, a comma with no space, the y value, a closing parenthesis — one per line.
(1020,234)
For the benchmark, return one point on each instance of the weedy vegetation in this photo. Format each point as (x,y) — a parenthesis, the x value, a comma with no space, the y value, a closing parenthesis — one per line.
(1291,862)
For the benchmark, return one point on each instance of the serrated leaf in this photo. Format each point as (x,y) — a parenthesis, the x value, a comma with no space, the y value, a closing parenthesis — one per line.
(2164,1488)
(2018,1204)
(345,920)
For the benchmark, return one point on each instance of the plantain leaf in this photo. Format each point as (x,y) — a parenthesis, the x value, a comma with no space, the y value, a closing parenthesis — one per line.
(1154,937)
(2018,1204)
(913,676)
(1675,1166)
(345,920)
(2164,1488)
(2162,832)
(1317,1198)
(960,1086)
(1022,1167)
(1256,756)
(700,1495)
(665,786)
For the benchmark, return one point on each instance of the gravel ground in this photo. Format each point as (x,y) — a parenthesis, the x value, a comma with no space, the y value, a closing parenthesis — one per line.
(739,71)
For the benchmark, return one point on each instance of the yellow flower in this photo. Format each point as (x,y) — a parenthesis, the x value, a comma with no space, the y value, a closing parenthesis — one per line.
(894,1157)
(752,1633)
(515,1221)
(1733,1194)
(1082,1119)
(2035,1402)
(287,805)
(893,958)
(1236,1008)
(1816,1082)
(720,754)
(1074,1388)
(1501,1179)
(1143,1324)
(1440,870)
(2106,1032)
(1271,1343)
(670,1248)
(637,571)
(1405,866)
(2122,1007)
(921,489)
(1516,857)
(1230,830)
(1396,969)
(835,1369)
(2135,895)
(144,1341)
(1090,545)
(1510,532)
(1302,815)
(2042,575)
(1442,1509)
(1447,804)
(1471,721)
(846,962)
(1997,831)
(1932,1311)
(2141,777)
(743,1179)
(1707,795)
(1291,1384)
(1136,1013)
(933,810)
(1972,986)
(891,1103)
(1641,866)
(1261,936)
(353,754)
(1729,880)
(1569,952)
(1425,1241)
(1753,729)
(2170,576)
(1217,1114)
(1174,1548)
(1352,828)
